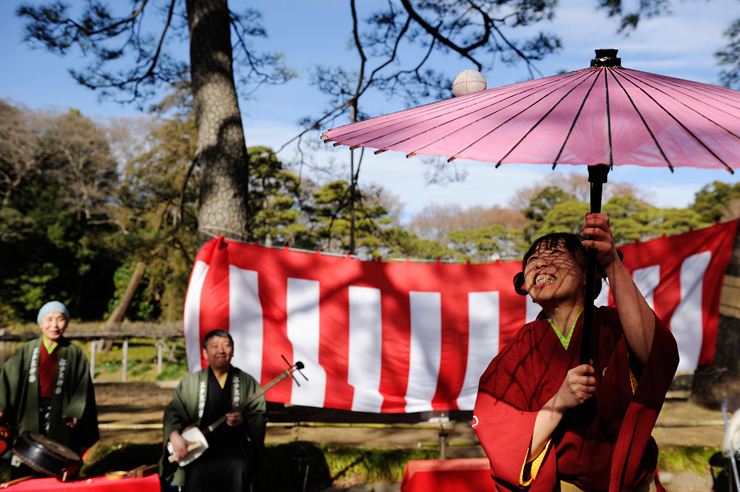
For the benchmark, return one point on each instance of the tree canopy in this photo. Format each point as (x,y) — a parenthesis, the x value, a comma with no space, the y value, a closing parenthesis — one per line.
(91,211)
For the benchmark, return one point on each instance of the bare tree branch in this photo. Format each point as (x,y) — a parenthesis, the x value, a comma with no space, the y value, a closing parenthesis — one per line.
(462,51)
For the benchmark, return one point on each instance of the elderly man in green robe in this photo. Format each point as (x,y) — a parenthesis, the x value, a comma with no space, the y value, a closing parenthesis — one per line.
(46,388)
(203,397)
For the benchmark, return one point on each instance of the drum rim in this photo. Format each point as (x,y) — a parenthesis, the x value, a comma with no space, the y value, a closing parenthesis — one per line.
(66,469)
(31,436)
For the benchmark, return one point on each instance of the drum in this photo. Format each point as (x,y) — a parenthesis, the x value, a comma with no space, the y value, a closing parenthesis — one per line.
(46,456)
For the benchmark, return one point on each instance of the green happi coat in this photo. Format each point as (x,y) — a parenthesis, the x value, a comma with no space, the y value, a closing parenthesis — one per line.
(73,395)
(187,407)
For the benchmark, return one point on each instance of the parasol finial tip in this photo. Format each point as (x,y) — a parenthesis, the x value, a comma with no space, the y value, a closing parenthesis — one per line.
(606,58)
(468,82)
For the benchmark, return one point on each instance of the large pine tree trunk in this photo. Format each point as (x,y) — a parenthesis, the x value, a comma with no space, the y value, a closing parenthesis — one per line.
(221,151)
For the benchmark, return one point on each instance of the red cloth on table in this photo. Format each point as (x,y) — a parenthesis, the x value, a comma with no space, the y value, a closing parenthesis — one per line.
(459,475)
(604,444)
(97,484)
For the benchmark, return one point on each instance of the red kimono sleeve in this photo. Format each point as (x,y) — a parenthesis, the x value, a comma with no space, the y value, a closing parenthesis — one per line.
(643,410)
(505,434)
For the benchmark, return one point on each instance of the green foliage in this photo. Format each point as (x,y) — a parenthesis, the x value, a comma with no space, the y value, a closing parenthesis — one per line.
(76,222)
(729,56)
(486,244)
(142,361)
(566,215)
(630,219)
(156,213)
(55,233)
(173,371)
(401,243)
(544,201)
(671,221)
(275,197)
(633,220)
(717,201)
(540,206)
(685,458)
(357,465)
(140,307)
(332,216)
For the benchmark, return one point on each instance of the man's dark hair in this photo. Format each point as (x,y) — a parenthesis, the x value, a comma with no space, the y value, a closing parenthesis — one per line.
(217,333)
(571,242)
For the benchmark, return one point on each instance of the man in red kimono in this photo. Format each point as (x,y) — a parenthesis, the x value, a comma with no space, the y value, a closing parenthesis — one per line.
(546,421)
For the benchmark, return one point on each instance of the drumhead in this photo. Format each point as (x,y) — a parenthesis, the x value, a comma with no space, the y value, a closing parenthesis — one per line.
(53,447)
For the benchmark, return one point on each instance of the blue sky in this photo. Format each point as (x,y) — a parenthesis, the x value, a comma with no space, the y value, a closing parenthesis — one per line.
(317,32)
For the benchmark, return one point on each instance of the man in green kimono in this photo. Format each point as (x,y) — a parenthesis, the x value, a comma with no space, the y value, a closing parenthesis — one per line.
(45,387)
(203,397)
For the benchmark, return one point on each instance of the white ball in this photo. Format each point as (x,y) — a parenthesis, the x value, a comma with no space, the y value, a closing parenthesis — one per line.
(468,82)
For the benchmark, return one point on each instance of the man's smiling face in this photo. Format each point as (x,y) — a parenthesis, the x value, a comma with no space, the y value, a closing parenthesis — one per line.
(219,352)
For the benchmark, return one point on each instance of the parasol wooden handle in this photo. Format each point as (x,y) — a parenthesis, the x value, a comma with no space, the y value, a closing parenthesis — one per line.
(191,447)
(597,176)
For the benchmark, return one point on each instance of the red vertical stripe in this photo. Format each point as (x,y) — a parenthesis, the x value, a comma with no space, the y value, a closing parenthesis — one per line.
(454,353)
(667,294)
(396,349)
(214,301)
(724,237)
(512,308)
(273,286)
(334,343)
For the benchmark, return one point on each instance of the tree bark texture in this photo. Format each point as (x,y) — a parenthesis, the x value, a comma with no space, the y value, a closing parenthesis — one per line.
(221,151)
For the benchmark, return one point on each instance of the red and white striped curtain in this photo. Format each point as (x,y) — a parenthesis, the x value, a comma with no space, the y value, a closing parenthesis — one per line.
(409,337)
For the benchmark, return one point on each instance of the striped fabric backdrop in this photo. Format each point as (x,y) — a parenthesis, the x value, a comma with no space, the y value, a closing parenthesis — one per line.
(408,337)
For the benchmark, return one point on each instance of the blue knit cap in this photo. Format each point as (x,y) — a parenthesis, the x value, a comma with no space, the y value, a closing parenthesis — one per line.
(52,307)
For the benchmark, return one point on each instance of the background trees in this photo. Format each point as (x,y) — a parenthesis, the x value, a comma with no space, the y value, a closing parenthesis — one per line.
(55,232)
(131,59)
(98,208)
(94,210)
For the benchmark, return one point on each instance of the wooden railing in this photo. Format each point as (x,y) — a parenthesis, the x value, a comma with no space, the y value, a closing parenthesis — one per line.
(97,332)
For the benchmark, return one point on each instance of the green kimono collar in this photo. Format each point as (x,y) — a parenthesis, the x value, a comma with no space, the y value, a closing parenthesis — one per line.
(49,344)
(565,340)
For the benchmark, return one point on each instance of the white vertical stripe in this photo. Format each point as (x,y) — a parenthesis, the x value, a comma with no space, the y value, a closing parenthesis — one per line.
(303,333)
(483,340)
(245,320)
(191,316)
(426,349)
(686,324)
(603,298)
(533,309)
(365,344)
(646,280)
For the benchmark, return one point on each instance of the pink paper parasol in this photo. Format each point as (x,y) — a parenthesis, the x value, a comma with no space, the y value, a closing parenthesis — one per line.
(601,116)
